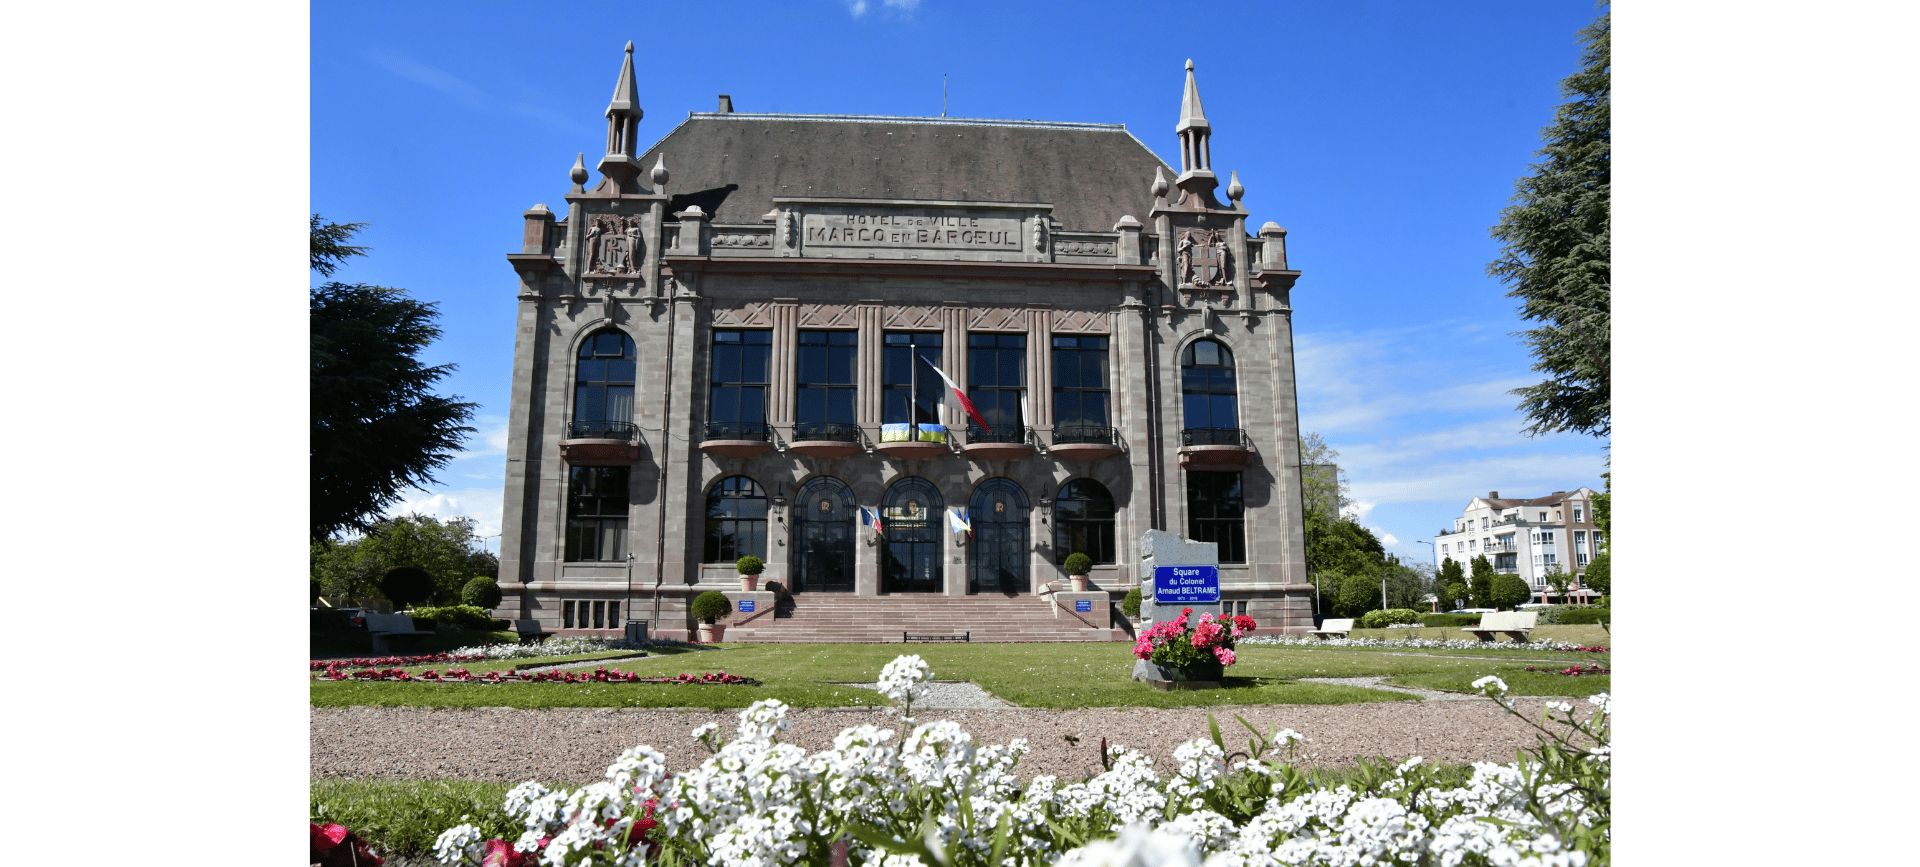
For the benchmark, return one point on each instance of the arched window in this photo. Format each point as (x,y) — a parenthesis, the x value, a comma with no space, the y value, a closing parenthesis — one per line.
(1207,390)
(823,532)
(1083,522)
(736,520)
(603,388)
(914,516)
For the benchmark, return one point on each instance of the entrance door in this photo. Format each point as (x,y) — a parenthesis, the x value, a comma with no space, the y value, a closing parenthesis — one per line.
(914,517)
(998,554)
(823,515)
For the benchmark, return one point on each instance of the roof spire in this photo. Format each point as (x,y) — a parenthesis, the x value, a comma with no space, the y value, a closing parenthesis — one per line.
(1191,115)
(624,89)
(623,128)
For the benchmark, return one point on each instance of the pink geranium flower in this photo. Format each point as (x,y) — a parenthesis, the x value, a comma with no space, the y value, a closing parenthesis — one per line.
(1225,655)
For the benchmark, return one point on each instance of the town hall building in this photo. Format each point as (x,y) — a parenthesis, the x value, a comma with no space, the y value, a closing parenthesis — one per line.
(739,341)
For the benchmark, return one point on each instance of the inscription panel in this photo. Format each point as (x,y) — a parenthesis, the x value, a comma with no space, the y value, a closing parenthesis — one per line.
(913,228)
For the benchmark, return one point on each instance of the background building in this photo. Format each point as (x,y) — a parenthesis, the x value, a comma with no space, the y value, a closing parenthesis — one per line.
(734,344)
(1529,538)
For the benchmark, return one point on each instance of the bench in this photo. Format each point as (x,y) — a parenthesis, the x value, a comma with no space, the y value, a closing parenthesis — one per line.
(964,636)
(1513,623)
(530,631)
(386,627)
(1334,628)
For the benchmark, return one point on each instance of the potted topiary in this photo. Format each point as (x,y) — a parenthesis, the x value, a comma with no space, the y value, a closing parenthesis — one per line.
(1078,565)
(708,606)
(1130,606)
(749,568)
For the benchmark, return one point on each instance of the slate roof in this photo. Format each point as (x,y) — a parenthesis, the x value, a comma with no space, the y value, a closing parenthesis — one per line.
(733,164)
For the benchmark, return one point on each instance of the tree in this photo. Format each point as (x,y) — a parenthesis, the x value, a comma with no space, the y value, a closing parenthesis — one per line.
(1510,590)
(375,428)
(1481,584)
(1323,486)
(448,551)
(1341,545)
(1557,237)
(481,591)
(1599,575)
(1456,593)
(1359,594)
(1451,574)
(328,244)
(405,586)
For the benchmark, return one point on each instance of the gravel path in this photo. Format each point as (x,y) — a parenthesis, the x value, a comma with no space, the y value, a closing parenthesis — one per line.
(574,746)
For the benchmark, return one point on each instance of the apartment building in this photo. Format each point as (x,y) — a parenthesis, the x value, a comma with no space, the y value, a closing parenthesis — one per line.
(1526,537)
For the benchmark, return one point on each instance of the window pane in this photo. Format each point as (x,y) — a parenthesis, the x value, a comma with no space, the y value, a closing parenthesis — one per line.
(620,403)
(1013,368)
(813,364)
(588,404)
(760,338)
(840,406)
(620,370)
(726,337)
(1093,372)
(982,370)
(726,364)
(591,371)
(1066,369)
(842,365)
(753,365)
(813,405)
(1093,407)
(896,366)
(843,338)
(1206,352)
(752,405)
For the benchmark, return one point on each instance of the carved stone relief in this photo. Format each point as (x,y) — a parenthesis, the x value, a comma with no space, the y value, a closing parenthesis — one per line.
(1081,321)
(826,315)
(737,239)
(614,245)
(1203,259)
(789,228)
(918,317)
(997,319)
(750,314)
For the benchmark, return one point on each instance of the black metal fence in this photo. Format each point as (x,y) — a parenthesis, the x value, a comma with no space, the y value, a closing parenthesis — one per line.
(601,430)
(1012,433)
(1213,436)
(1084,433)
(826,432)
(758,431)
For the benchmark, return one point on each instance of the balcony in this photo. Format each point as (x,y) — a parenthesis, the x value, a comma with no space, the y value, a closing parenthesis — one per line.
(1214,448)
(1499,547)
(1008,442)
(601,444)
(1084,442)
(826,439)
(910,442)
(737,439)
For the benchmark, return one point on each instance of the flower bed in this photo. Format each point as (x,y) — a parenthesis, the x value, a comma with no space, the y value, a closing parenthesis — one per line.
(1197,653)
(563,647)
(357,662)
(930,796)
(598,675)
(1576,671)
(1431,643)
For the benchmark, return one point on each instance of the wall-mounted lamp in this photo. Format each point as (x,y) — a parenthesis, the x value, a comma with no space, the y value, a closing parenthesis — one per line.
(780,504)
(1046,508)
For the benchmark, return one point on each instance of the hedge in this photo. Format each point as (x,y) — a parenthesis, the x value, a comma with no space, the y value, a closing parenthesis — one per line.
(1449,620)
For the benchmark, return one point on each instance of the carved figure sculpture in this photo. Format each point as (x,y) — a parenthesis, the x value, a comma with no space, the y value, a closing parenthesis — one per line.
(633,245)
(594,231)
(1185,259)
(614,256)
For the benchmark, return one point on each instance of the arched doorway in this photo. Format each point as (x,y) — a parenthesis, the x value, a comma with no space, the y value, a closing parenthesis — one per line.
(823,517)
(997,555)
(910,560)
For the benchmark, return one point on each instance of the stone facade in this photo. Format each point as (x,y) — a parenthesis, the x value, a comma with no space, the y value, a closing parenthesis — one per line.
(787,226)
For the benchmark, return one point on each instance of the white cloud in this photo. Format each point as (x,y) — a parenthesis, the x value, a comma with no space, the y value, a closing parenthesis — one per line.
(481,504)
(1386,538)
(859,8)
(420,73)
(491,438)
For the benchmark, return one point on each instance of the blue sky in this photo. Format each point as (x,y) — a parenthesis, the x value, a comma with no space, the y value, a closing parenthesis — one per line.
(1385,136)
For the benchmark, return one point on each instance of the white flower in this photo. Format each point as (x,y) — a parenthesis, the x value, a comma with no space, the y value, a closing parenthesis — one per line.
(705,730)
(458,843)
(1498,684)
(1137,846)
(904,680)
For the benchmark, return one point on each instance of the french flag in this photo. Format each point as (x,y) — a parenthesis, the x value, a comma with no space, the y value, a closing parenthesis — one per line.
(872,520)
(965,404)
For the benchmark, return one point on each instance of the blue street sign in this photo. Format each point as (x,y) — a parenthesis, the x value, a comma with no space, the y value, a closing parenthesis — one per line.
(1178,584)
(1083,605)
(746,605)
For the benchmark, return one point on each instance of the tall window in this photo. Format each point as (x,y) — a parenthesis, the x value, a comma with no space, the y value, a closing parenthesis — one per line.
(736,521)
(1083,521)
(1080,394)
(603,386)
(1216,512)
(826,383)
(1576,515)
(1207,390)
(996,382)
(737,390)
(596,513)
(909,392)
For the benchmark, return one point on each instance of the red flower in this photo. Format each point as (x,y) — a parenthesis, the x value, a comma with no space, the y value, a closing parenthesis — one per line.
(500,853)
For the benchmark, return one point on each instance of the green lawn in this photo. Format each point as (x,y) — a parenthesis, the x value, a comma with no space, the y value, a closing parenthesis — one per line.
(1588,634)
(1029,675)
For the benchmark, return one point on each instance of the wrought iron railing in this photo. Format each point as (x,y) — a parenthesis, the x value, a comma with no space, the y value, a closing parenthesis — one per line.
(1084,433)
(1011,433)
(1213,436)
(758,431)
(601,430)
(826,432)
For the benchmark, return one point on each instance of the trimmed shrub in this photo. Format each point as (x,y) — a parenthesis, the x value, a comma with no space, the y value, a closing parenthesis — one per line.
(458,616)
(1130,606)
(1585,616)
(1510,590)
(406,585)
(1358,595)
(1449,620)
(481,592)
(1382,619)
(1078,564)
(710,605)
(749,565)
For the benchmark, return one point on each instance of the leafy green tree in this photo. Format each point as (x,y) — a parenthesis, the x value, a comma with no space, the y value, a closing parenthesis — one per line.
(1323,485)
(1341,545)
(1456,594)
(448,551)
(1558,248)
(1359,594)
(482,592)
(406,586)
(375,427)
(1599,574)
(1560,581)
(1451,574)
(1510,590)
(1481,584)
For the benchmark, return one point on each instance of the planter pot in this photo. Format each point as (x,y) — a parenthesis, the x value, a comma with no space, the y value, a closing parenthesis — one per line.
(1192,677)
(749,583)
(1079,583)
(712,632)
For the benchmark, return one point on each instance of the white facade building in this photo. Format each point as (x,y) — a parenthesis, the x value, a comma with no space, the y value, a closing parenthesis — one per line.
(1529,538)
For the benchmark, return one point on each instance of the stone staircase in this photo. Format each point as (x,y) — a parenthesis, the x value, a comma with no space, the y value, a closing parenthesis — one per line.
(848,619)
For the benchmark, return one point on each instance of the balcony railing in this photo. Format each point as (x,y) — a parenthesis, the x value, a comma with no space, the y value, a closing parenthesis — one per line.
(826,432)
(757,431)
(1011,433)
(1084,433)
(1213,436)
(601,430)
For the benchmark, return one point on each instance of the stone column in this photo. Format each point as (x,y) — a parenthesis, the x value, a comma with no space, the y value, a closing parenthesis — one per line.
(781,371)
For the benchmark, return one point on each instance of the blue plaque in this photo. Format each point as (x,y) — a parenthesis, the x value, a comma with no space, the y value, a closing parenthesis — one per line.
(1181,584)
(746,605)
(1083,605)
